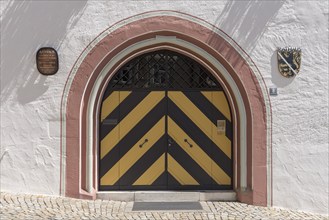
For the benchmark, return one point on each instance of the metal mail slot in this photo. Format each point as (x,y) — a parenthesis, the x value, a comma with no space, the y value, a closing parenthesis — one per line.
(110,122)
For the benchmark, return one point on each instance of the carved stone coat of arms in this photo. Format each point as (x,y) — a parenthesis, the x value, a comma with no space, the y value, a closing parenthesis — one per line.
(289,61)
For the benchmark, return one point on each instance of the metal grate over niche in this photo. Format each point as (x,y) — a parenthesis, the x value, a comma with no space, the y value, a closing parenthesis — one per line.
(163,70)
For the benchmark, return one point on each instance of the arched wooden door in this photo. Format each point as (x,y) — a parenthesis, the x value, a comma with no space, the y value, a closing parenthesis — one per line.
(165,123)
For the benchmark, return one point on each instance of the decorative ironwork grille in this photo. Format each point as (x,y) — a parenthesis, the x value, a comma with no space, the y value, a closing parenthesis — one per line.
(163,70)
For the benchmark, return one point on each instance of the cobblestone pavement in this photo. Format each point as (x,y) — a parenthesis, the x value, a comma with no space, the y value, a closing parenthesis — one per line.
(50,207)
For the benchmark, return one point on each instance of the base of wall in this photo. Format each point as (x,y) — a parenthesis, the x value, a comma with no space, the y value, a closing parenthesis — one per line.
(167,196)
(246,196)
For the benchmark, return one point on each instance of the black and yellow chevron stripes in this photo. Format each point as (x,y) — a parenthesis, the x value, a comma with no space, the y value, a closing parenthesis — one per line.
(192,118)
(165,140)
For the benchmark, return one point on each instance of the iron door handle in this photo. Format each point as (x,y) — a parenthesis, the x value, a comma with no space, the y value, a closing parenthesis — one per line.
(141,145)
(191,145)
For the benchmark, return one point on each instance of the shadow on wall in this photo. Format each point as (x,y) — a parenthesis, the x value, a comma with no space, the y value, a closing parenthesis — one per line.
(246,21)
(25,27)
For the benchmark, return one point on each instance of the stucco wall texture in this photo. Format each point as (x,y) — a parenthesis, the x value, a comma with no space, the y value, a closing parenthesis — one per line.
(30,102)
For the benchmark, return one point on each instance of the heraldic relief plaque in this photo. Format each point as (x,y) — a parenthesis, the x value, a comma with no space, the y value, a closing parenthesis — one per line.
(289,60)
(47,61)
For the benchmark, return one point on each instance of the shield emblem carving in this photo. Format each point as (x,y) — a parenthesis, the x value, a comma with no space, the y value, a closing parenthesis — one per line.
(289,60)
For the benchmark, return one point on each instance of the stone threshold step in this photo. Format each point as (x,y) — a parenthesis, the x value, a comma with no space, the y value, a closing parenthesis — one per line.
(167,196)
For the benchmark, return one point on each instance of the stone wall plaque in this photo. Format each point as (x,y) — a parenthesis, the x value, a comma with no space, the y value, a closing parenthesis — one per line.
(47,61)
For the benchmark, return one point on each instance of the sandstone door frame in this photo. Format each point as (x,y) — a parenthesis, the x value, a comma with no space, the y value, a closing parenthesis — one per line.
(193,37)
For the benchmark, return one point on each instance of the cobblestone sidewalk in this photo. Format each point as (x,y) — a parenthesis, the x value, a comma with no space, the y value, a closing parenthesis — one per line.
(50,207)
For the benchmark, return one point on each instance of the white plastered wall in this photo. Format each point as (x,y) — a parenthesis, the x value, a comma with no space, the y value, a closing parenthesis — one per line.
(30,102)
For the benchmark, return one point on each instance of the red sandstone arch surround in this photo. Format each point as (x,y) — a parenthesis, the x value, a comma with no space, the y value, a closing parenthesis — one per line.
(74,102)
